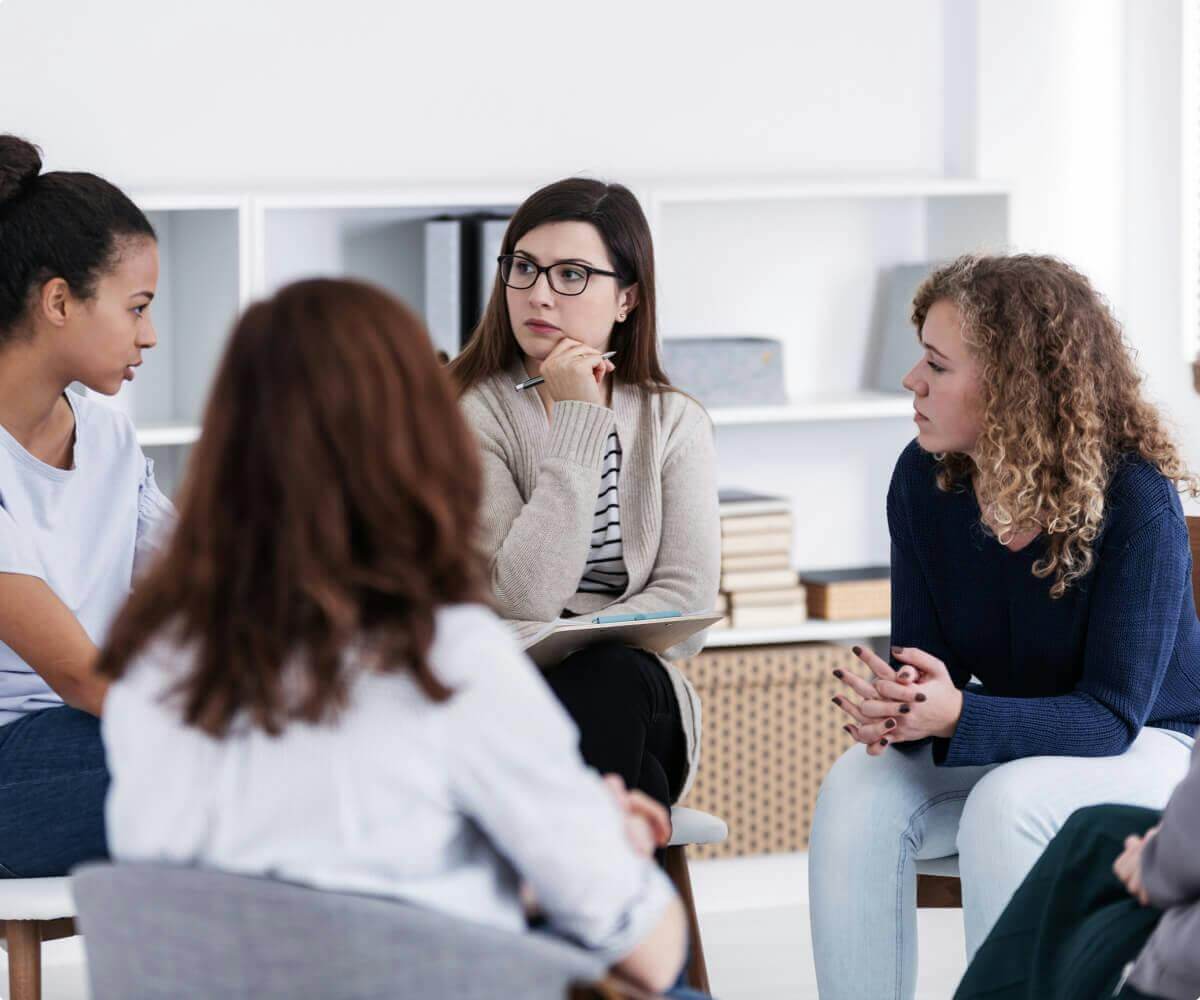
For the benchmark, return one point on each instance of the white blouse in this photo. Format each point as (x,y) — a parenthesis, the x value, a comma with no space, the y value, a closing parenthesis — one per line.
(449,805)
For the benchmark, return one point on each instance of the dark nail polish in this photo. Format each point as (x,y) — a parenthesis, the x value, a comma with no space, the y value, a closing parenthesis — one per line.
(920,697)
(856,650)
(838,674)
(883,742)
(890,724)
(836,700)
(897,650)
(904,709)
(848,730)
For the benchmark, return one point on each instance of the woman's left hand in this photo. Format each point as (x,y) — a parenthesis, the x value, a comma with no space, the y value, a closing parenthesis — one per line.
(895,708)
(647,823)
(1128,867)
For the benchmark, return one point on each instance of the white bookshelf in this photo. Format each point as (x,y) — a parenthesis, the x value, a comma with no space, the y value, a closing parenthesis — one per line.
(204,244)
(802,261)
(797,259)
(809,631)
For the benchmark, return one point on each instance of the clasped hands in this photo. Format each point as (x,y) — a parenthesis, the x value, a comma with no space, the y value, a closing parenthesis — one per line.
(896,706)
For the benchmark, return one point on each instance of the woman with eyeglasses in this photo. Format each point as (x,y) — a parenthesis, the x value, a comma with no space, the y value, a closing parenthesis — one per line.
(599,485)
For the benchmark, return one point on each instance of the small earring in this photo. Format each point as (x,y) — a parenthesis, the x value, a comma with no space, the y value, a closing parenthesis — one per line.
(620,317)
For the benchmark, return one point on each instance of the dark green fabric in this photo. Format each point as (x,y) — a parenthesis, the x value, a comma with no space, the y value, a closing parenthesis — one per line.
(1071,927)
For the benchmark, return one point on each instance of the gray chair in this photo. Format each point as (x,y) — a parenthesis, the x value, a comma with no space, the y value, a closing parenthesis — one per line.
(156,932)
(691,826)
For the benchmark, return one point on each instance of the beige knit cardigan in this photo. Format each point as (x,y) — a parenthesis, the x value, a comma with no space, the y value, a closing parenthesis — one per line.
(541,476)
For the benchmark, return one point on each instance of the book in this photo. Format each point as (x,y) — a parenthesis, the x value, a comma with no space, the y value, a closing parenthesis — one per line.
(559,639)
(769,560)
(762,579)
(739,503)
(828,577)
(751,545)
(839,595)
(760,598)
(777,616)
(756,524)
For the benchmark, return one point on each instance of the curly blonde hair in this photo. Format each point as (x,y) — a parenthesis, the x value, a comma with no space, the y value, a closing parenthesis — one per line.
(1061,403)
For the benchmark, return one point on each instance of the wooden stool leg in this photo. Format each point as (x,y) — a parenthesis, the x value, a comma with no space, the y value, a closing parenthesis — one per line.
(939,892)
(24,959)
(677,872)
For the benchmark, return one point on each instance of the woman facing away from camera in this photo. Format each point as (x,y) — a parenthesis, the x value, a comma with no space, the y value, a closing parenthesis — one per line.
(309,684)
(599,486)
(1039,547)
(80,512)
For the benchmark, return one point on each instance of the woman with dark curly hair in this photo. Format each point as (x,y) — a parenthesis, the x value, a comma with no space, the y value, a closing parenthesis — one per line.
(1045,645)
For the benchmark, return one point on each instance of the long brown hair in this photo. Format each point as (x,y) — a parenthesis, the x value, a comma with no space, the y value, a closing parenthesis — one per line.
(619,219)
(1061,399)
(330,501)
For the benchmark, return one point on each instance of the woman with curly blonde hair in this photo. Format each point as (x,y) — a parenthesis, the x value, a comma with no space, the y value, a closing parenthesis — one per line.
(1045,644)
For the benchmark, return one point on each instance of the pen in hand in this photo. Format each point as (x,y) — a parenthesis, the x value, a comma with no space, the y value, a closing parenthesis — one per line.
(529,383)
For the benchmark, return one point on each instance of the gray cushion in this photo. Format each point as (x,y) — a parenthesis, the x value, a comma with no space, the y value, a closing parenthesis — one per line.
(156,931)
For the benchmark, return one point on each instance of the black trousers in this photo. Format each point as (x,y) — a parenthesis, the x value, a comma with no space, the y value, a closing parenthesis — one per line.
(1071,927)
(628,716)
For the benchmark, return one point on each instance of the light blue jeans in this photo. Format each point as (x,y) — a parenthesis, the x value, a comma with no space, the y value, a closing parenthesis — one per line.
(875,816)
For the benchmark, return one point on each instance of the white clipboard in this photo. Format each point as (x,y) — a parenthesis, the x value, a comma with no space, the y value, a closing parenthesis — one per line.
(562,638)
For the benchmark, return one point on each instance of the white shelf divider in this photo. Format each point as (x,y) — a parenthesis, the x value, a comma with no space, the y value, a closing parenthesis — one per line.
(853,406)
(157,435)
(809,631)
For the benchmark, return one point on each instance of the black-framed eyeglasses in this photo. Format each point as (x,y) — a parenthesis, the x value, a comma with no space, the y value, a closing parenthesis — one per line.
(566,277)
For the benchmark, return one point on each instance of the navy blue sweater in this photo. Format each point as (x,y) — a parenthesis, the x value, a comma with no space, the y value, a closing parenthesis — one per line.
(1076,676)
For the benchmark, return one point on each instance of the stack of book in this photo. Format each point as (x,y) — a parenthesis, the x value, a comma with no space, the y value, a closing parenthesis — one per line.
(844,594)
(759,588)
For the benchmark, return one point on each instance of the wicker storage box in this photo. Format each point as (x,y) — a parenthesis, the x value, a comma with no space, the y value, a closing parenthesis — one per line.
(770,734)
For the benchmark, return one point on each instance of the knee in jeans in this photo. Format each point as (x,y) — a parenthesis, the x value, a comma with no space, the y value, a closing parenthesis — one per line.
(1003,804)
(858,792)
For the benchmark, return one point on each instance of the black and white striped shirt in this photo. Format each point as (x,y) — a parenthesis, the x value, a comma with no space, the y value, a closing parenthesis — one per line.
(605,570)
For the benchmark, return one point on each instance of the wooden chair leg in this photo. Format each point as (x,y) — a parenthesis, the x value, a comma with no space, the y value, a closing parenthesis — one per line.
(677,872)
(24,959)
(939,892)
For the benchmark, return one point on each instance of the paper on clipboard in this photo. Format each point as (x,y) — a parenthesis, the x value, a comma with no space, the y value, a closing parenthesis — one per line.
(562,638)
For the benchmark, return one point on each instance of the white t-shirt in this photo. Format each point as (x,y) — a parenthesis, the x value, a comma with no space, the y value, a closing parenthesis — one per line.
(447,805)
(81,530)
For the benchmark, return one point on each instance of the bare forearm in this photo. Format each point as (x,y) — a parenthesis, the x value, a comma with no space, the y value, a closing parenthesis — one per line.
(656,961)
(43,632)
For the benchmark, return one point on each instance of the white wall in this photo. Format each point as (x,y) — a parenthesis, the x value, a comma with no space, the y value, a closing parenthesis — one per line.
(1080,110)
(225,92)
(1076,103)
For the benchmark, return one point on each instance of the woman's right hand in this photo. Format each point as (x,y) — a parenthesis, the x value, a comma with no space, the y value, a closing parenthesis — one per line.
(575,371)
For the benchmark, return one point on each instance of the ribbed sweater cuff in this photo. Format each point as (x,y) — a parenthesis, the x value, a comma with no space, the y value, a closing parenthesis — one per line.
(578,432)
(973,727)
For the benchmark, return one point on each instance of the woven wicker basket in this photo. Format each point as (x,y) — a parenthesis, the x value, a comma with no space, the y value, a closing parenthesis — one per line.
(770,734)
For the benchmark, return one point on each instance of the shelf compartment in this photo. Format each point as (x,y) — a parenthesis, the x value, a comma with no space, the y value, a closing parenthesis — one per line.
(809,631)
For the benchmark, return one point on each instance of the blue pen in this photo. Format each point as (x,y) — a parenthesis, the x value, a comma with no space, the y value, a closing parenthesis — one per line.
(642,616)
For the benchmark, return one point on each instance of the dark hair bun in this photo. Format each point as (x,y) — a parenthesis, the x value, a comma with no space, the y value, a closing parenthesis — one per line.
(20,163)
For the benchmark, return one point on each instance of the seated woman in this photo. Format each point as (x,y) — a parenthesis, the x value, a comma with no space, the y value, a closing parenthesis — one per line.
(1117,883)
(599,487)
(1038,545)
(309,684)
(79,509)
